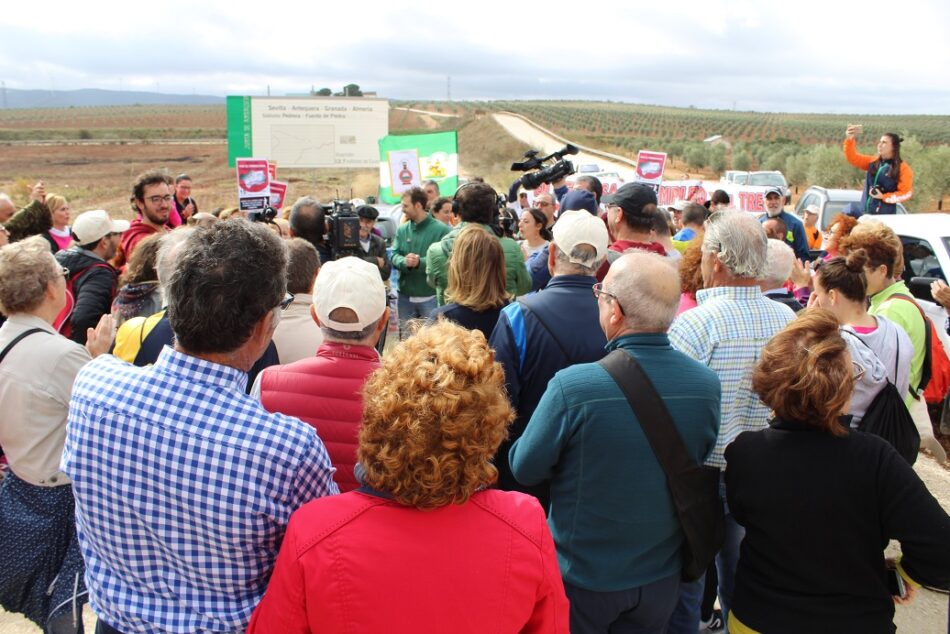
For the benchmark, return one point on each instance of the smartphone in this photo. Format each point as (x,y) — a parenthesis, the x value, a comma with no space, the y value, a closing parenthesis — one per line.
(895,583)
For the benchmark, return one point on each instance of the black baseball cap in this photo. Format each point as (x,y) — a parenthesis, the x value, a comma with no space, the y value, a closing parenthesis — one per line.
(367,211)
(632,198)
(774,190)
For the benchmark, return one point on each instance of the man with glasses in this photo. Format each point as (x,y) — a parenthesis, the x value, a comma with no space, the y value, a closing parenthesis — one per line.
(183,484)
(96,237)
(612,517)
(544,332)
(152,200)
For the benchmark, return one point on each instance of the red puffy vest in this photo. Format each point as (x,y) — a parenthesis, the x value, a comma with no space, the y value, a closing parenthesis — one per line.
(325,391)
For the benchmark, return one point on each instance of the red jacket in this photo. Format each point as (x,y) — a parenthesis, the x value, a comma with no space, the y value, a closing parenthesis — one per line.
(137,231)
(325,391)
(361,563)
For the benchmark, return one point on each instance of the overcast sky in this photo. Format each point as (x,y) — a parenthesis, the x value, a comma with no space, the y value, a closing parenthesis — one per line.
(802,56)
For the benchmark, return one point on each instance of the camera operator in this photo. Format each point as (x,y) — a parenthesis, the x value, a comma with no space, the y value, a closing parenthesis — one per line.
(308,221)
(477,203)
(372,247)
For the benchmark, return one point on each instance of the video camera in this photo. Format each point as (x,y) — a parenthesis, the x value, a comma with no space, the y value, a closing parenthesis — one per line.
(343,225)
(267,214)
(545,174)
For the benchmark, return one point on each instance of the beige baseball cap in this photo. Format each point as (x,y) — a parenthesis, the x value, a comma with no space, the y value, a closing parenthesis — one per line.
(580,227)
(92,226)
(349,283)
(811,209)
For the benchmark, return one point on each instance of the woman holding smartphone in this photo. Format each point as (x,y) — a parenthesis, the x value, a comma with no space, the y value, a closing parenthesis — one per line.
(889,180)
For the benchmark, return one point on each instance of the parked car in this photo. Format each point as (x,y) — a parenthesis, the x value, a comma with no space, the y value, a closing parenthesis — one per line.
(390,217)
(588,168)
(830,203)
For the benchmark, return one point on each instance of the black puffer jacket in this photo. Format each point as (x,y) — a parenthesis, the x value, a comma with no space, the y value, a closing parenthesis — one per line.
(94,286)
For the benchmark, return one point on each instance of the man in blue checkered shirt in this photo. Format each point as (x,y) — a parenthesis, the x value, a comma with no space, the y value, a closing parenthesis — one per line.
(727,331)
(183,484)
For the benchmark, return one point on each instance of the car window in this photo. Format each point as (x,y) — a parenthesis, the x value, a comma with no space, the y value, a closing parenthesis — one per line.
(767,180)
(804,201)
(919,259)
(832,209)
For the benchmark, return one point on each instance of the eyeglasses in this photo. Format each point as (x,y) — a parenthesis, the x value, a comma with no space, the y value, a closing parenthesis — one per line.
(157,199)
(598,290)
(288,299)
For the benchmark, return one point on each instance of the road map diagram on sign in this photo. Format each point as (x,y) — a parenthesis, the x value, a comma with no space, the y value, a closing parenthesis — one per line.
(302,144)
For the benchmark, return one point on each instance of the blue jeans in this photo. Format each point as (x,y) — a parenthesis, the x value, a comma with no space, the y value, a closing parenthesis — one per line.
(635,611)
(412,310)
(685,619)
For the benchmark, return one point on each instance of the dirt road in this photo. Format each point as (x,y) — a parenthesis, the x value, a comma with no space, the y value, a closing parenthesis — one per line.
(537,137)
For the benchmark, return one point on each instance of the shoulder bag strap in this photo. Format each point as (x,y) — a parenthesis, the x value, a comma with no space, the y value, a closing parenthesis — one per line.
(651,413)
(17,340)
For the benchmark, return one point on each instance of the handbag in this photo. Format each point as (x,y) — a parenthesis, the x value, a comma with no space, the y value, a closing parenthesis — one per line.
(888,417)
(693,487)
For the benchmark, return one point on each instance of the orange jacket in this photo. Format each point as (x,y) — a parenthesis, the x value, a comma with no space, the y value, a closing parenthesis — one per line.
(905,185)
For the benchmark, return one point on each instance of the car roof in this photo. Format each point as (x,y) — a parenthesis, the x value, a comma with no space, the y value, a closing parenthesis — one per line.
(917,225)
(843,194)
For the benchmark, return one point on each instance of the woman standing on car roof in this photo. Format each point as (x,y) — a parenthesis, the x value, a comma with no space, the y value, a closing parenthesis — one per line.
(889,180)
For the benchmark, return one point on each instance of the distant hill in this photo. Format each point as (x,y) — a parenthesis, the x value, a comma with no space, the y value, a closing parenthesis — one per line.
(15,98)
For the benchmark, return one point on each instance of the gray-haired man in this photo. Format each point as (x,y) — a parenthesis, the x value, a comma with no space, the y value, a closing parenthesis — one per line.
(726,332)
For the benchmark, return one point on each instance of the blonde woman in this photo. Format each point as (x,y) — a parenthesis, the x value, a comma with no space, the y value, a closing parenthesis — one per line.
(476,289)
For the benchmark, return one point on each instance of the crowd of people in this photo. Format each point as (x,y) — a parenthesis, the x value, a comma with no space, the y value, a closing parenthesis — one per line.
(204,430)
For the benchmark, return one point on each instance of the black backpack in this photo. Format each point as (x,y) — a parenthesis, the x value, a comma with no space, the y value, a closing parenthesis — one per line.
(888,417)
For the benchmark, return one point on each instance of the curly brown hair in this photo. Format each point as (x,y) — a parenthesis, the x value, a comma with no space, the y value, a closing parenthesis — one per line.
(804,373)
(433,416)
(881,244)
(691,270)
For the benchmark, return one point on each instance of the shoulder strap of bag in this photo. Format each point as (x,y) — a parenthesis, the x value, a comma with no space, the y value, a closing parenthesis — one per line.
(651,413)
(17,340)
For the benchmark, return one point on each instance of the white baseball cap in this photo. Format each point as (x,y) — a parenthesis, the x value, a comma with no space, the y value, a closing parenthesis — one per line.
(580,227)
(349,283)
(92,226)
(812,209)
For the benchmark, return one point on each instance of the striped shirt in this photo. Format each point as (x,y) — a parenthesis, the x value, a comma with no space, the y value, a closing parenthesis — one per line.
(727,331)
(184,486)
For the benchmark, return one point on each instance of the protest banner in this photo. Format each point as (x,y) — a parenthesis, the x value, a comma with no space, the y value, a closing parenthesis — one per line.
(650,167)
(278,191)
(406,161)
(749,198)
(253,181)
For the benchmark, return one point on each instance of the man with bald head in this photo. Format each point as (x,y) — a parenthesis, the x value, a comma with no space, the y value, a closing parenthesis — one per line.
(612,515)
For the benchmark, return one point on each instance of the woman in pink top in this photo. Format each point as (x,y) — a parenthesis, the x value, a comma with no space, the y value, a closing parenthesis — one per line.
(58,236)
(881,348)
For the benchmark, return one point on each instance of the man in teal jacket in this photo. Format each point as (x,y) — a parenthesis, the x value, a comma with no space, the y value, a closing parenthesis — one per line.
(413,238)
(612,516)
(477,202)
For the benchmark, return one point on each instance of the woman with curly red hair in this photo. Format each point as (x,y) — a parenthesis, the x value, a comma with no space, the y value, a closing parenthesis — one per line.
(424,545)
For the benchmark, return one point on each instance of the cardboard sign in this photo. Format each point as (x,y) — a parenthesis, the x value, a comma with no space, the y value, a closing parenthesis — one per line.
(253,181)
(278,190)
(650,166)
(272,169)
(404,170)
